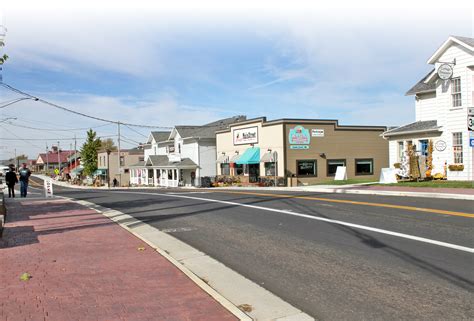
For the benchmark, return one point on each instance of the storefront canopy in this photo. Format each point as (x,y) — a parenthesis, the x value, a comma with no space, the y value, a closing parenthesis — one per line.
(100,172)
(250,156)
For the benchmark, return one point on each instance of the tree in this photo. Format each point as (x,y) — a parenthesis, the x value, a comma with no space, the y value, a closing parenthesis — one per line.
(89,152)
(108,144)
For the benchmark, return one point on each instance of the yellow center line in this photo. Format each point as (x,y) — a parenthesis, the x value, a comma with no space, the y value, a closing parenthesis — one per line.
(403,207)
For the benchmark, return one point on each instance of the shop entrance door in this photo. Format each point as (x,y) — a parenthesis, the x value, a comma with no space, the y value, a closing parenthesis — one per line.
(254,173)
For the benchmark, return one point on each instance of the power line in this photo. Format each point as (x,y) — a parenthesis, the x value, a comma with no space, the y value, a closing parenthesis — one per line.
(76,112)
(55,139)
(56,130)
(20,138)
(136,131)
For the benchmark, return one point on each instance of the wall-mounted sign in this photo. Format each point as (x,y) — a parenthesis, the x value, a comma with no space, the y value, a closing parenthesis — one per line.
(244,136)
(317,132)
(445,71)
(299,147)
(440,145)
(299,136)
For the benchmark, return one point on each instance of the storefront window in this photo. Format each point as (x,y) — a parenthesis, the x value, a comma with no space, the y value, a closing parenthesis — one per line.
(333,164)
(238,169)
(225,169)
(364,166)
(270,169)
(306,167)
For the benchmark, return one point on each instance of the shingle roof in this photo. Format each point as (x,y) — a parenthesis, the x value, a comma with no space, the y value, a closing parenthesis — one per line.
(419,126)
(163,160)
(52,157)
(160,136)
(139,164)
(421,86)
(208,130)
(466,40)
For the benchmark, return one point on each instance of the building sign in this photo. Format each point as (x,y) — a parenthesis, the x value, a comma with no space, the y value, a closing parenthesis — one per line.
(299,136)
(317,132)
(440,145)
(244,136)
(299,147)
(445,71)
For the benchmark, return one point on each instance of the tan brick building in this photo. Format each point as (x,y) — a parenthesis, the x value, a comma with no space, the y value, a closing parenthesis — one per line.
(308,150)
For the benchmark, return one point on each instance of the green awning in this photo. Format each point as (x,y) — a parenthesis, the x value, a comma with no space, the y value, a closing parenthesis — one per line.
(100,172)
(250,156)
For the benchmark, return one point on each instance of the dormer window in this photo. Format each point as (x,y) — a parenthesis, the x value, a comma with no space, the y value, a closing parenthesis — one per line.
(456,92)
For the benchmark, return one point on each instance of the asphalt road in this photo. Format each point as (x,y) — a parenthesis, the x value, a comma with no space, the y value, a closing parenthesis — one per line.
(330,271)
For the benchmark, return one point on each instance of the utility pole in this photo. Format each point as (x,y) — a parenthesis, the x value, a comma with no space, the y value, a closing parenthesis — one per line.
(16,161)
(59,160)
(47,160)
(118,145)
(75,151)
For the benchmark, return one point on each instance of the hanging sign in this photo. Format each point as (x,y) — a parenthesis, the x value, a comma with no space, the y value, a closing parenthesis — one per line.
(445,71)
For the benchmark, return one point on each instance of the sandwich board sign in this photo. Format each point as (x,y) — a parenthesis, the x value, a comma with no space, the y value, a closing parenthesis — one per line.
(341,173)
(48,188)
(388,176)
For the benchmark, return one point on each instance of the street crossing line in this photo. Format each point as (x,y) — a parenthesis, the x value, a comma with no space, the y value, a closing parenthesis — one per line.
(358,226)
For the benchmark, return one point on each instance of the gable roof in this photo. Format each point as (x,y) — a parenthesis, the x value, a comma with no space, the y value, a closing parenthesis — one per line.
(159,136)
(416,127)
(424,85)
(466,42)
(208,130)
(52,157)
(163,161)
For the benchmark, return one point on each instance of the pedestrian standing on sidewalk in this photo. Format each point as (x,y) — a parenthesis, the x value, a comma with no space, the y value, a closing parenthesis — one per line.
(25,174)
(11,180)
(115,182)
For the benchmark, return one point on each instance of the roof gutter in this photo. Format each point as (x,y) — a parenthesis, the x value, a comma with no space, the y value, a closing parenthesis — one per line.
(386,134)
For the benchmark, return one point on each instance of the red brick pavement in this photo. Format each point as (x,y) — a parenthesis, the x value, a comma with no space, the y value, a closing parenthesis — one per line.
(84,267)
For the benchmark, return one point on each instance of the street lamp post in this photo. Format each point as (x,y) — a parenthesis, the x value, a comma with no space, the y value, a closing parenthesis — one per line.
(108,164)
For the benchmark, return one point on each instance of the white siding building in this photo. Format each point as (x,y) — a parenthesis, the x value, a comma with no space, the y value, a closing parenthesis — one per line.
(180,157)
(441,112)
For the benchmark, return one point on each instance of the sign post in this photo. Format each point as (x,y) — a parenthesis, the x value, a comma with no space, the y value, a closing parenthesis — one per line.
(48,188)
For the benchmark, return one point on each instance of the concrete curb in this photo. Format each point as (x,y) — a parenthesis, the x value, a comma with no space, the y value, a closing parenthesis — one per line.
(226,286)
(333,190)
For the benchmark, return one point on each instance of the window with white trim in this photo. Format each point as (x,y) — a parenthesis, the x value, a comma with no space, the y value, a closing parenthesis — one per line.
(401,150)
(457,148)
(456,92)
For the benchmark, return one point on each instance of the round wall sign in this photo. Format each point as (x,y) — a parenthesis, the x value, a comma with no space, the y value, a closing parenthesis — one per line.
(440,145)
(445,71)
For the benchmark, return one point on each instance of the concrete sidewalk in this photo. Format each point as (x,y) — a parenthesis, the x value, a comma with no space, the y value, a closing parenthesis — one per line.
(366,189)
(83,266)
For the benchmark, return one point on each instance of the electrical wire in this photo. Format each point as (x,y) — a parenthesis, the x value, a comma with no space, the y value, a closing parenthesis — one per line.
(76,112)
(20,138)
(56,130)
(136,131)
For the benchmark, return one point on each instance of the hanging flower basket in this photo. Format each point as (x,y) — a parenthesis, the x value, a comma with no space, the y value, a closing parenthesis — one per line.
(456,167)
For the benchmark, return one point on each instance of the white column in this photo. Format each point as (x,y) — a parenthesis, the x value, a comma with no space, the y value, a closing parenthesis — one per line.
(177,178)
(155,177)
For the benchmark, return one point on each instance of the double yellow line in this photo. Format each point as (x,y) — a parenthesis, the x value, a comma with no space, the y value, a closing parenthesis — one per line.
(330,200)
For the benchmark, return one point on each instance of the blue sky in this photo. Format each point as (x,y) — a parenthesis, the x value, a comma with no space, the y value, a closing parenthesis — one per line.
(187,66)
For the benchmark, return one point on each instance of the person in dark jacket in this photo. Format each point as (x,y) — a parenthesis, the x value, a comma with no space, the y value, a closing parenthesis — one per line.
(11,180)
(25,174)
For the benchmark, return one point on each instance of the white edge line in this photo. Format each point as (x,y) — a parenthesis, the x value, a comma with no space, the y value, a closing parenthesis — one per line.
(229,306)
(362,227)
